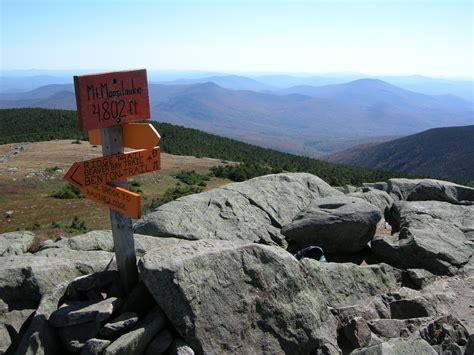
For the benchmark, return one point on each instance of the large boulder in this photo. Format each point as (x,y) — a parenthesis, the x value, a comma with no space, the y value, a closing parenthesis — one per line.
(253,210)
(25,279)
(339,225)
(348,284)
(15,243)
(432,236)
(462,217)
(378,198)
(234,297)
(430,189)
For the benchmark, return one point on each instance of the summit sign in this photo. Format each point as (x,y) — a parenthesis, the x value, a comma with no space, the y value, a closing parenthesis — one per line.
(110,99)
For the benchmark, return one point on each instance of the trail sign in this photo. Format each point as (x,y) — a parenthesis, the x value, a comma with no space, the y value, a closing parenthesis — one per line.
(114,167)
(115,198)
(134,135)
(109,99)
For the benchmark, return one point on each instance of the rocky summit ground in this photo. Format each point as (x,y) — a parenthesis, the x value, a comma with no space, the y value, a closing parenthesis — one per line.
(218,275)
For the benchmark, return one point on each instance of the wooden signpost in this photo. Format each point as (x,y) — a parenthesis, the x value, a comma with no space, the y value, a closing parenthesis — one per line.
(106,103)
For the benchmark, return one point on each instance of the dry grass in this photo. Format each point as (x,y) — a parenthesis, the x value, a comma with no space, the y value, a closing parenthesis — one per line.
(30,176)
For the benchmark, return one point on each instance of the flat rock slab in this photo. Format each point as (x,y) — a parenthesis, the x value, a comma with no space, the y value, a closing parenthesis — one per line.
(253,210)
(430,190)
(102,240)
(94,346)
(15,243)
(137,340)
(339,225)
(234,297)
(82,312)
(119,325)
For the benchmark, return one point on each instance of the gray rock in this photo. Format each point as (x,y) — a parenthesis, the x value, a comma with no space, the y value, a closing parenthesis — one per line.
(15,243)
(137,340)
(444,331)
(470,345)
(410,308)
(339,224)
(160,344)
(3,307)
(420,277)
(82,312)
(40,337)
(424,242)
(430,190)
(5,340)
(98,281)
(119,325)
(378,198)
(139,300)
(398,347)
(14,321)
(459,216)
(253,210)
(346,284)
(382,186)
(179,347)
(102,240)
(74,337)
(231,297)
(357,332)
(25,279)
(94,346)
(393,328)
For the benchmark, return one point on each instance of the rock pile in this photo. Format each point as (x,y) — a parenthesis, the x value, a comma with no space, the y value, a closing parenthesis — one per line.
(217,277)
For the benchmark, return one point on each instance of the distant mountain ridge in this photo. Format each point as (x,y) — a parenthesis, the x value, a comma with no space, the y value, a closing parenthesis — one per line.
(445,153)
(333,117)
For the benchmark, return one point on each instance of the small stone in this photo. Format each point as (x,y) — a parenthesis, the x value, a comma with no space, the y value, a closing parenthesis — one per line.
(420,277)
(95,346)
(160,344)
(119,325)
(99,281)
(74,337)
(136,341)
(83,312)
(358,332)
(179,347)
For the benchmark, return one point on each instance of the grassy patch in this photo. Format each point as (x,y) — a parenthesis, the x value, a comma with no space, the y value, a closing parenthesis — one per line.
(67,192)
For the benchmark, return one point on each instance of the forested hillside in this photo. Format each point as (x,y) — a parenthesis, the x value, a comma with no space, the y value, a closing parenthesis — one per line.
(20,125)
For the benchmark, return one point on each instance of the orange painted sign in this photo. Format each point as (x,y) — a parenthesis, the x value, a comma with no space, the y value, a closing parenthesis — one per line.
(115,198)
(134,135)
(113,167)
(110,99)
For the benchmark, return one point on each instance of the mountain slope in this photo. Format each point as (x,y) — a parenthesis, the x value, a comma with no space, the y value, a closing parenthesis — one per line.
(234,82)
(446,153)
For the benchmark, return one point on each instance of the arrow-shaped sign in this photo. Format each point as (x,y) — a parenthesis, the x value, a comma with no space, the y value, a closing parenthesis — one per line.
(134,135)
(115,198)
(113,167)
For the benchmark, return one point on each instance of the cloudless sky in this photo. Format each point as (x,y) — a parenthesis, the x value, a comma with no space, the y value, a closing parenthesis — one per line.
(429,37)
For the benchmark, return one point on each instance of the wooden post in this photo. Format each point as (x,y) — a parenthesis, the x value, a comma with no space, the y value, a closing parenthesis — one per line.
(124,244)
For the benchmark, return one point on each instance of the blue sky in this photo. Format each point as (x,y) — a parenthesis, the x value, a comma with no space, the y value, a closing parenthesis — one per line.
(429,37)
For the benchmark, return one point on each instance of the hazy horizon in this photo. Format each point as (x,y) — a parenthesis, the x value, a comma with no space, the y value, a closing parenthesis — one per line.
(242,37)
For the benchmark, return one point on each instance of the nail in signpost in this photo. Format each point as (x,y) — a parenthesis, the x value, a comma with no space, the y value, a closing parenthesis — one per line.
(106,104)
